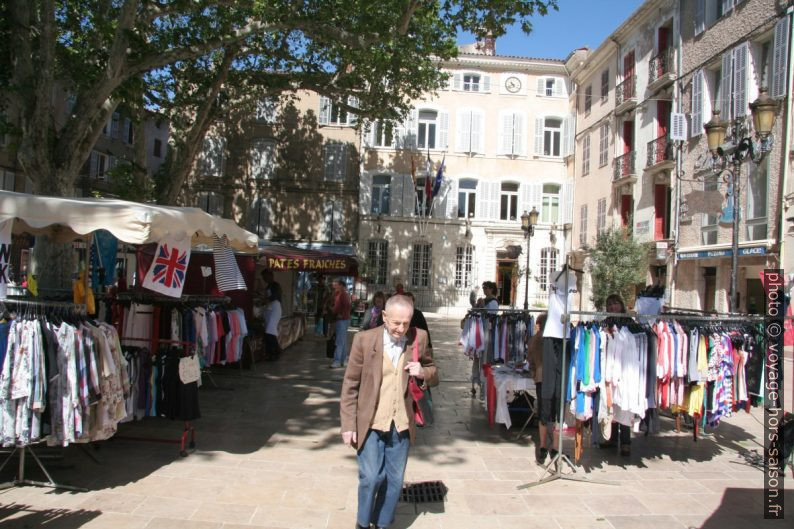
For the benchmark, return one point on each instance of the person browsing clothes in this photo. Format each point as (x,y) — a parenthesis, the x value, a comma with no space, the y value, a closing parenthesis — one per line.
(376,408)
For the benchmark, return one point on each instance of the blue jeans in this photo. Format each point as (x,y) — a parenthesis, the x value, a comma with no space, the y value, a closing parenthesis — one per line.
(381,466)
(340,353)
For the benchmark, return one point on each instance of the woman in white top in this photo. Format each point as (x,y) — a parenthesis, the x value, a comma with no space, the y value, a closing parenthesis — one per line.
(272,317)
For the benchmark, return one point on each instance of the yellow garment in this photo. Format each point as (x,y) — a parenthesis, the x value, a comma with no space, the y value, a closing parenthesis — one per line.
(696,396)
(703,358)
(84,295)
(33,285)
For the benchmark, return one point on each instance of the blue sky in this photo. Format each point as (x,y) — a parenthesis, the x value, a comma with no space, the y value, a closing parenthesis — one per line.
(578,23)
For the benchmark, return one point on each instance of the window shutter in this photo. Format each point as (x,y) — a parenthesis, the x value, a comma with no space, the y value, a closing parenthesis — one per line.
(396,189)
(535,197)
(352,117)
(409,197)
(559,87)
(700,16)
(452,199)
(525,195)
(486,83)
(541,86)
(127,131)
(365,194)
(567,135)
(325,111)
(740,53)
(368,133)
(94,164)
(443,130)
(780,58)
(505,133)
(341,168)
(477,131)
(725,86)
(677,126)
(727,5)
(519,135)
(440,207)
(462,143)
(496,188)
(539,136)
(567,214)
(697,103)
(409,130)
(456,81)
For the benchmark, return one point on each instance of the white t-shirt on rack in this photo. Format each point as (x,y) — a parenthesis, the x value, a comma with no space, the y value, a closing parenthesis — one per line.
(557,303)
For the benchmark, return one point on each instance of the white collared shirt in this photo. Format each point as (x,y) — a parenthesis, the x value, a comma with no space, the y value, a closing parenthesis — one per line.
(393,348)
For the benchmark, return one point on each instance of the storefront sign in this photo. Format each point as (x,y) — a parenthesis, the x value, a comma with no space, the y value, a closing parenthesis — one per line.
(709,254)
(306,264)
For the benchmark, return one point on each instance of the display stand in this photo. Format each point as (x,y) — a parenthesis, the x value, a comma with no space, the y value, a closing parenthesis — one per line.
(38,307)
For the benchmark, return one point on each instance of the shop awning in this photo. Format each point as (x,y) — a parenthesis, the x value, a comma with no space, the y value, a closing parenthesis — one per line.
(285,258)
(65,219)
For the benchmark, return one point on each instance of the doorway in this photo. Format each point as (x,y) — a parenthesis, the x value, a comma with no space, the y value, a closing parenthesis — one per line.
(505,275)
(710,290)
(755,297)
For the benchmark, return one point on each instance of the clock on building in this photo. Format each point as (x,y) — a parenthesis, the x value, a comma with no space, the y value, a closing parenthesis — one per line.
(513,84)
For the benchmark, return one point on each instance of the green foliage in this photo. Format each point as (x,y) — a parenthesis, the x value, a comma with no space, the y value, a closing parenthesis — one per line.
(618,263)
(127,183)
(195,61)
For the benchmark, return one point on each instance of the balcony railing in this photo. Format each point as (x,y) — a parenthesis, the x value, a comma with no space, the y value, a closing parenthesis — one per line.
(660,65)
(624,166)
(626,90)
(659,150)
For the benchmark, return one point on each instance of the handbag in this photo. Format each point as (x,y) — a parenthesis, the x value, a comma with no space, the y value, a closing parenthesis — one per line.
(422,399)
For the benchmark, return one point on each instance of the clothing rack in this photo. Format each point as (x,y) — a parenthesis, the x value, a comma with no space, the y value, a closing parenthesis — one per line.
(20,479)
(566,320)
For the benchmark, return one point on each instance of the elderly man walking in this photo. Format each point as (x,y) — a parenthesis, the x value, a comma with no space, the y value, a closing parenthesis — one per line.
(376,407)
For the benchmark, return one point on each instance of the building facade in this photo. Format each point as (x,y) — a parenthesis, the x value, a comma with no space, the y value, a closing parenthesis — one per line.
(729,51)
(502,129)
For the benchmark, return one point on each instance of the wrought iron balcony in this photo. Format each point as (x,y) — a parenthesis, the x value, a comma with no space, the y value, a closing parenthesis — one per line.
(660,69)
(660,153)
(626,94)
(624,171)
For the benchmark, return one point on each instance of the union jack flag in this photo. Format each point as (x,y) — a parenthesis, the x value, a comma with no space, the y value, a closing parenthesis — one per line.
(170,266)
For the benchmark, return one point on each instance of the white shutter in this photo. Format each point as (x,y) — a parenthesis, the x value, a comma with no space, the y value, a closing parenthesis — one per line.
(368,133)
(463,141)
(700,16)
(559,87)
(677,126)
(567,135)
(452,199)
(409,130)
(365,194)
(325,111)
(352,118)
(486,83)
(409,197)
(519,134)
(525,195)
(505,133)
(725,86)
(697,103)
(780,58)
(396,194)
(740,71)
(477,131)
(443,130)
(539,136)
(535,196)
(496,189)
(456,81)
(567,214)
(488,200)
(541,86)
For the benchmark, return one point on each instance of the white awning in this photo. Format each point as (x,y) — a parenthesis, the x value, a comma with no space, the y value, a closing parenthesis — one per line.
(65,219)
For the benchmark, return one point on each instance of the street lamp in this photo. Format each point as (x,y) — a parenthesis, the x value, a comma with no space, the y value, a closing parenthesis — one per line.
(528,221)
(739,147)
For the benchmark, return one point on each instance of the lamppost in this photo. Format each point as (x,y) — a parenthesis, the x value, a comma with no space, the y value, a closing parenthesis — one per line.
(528,221)
(739,147)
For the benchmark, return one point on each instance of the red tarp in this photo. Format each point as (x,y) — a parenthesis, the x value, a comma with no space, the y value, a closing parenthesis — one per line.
(286,258)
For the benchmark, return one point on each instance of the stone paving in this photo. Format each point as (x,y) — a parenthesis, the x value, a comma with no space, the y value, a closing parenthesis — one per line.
(269,455)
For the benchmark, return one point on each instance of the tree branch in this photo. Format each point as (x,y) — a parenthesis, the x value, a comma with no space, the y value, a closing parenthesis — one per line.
(405,20)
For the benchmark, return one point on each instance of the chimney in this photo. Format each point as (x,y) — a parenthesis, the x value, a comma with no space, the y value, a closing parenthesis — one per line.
(487,46)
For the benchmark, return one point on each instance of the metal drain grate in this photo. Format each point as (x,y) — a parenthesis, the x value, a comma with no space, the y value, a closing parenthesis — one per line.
(424,492)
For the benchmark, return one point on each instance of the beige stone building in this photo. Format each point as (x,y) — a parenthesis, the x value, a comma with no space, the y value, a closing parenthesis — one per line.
(503,129)
(624,152)
(729,51)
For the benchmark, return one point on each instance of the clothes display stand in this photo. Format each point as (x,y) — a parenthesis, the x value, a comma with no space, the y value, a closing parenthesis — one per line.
(37,307)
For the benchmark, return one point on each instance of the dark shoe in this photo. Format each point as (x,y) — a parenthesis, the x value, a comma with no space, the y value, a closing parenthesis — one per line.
(553,453)
(361,526)
(610,444)
(625,450)
(541,457)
